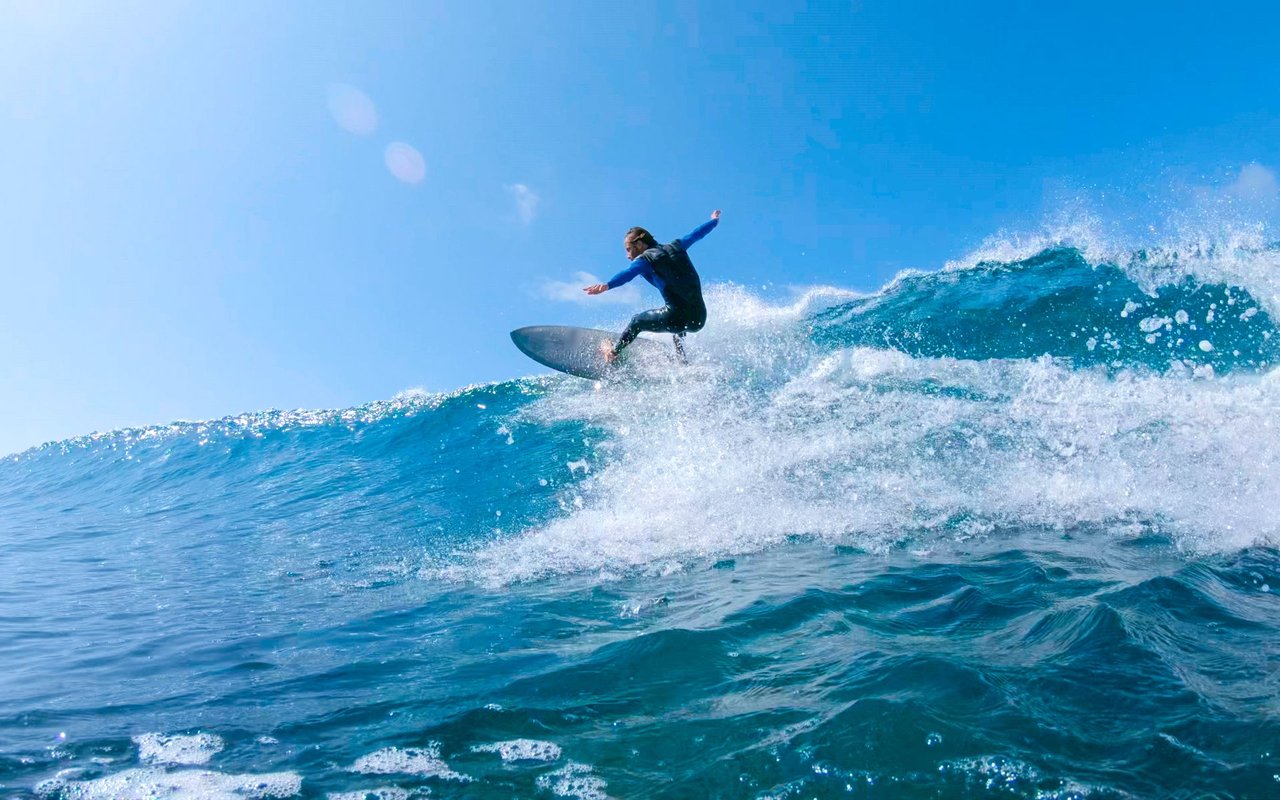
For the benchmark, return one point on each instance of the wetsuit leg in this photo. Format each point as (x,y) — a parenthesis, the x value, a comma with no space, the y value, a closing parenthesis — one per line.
(666,319)
(687,324)
(655,320)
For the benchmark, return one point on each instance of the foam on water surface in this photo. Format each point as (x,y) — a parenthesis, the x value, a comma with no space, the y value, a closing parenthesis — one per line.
(381,793)
(150,783)
(157,748)
(521,750)
(421,761)
(575,780)
(872,448)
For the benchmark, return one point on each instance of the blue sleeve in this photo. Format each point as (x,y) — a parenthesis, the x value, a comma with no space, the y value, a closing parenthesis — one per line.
(627,274)
(698,233)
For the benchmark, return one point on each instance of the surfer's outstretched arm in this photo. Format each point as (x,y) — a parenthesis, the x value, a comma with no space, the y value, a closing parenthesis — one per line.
(637,267)
(701,230)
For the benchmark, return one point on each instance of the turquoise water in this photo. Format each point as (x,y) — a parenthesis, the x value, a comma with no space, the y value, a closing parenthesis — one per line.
(1004,530)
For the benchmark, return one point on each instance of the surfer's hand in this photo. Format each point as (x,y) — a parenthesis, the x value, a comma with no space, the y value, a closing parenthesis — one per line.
(715,214)
(596,288)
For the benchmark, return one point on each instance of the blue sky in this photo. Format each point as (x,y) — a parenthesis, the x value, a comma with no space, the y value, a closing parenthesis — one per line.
(201,216)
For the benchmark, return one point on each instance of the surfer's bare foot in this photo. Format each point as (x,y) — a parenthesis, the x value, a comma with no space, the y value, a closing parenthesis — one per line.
(608,353)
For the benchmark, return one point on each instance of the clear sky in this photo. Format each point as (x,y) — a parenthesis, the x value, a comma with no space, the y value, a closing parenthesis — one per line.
(208,208)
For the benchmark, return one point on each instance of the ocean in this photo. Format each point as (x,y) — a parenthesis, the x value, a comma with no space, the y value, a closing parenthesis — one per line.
(1007,529)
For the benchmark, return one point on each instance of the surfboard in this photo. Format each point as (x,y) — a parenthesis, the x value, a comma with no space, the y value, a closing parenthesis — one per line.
(577,352)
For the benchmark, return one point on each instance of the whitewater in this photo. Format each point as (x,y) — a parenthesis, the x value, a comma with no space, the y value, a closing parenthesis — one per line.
(1006,529)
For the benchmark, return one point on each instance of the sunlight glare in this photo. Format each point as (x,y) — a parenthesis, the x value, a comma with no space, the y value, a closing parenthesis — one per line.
(405,162)
(352,109)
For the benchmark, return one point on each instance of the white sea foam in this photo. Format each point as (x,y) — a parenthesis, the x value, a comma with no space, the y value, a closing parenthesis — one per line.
(521,750)
(424,761)
(158,748)
(772,438)
(574,780)
(148,783)
(380,793)
(1079,229)
(735,308)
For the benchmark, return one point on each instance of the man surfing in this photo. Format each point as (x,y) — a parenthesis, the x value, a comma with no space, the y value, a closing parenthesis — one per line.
(668,268)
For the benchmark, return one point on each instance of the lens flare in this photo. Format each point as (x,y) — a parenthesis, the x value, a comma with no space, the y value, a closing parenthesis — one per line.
(405,162)
(352,109)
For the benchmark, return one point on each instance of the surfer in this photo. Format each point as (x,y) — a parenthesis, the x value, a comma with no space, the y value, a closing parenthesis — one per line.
(668,268)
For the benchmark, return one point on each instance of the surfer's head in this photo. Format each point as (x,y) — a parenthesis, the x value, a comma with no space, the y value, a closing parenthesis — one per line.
(637,241)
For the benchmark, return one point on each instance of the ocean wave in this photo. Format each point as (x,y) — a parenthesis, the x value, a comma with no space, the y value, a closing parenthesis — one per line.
(1048,392)
(1152,313)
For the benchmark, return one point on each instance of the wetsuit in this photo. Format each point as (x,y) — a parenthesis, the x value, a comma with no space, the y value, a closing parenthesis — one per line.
(669,269)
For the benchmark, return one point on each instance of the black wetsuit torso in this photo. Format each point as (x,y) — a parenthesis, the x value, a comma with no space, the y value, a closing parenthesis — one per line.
(681,287)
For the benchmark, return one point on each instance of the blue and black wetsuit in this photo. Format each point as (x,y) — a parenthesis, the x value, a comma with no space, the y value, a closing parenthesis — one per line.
(669,269)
